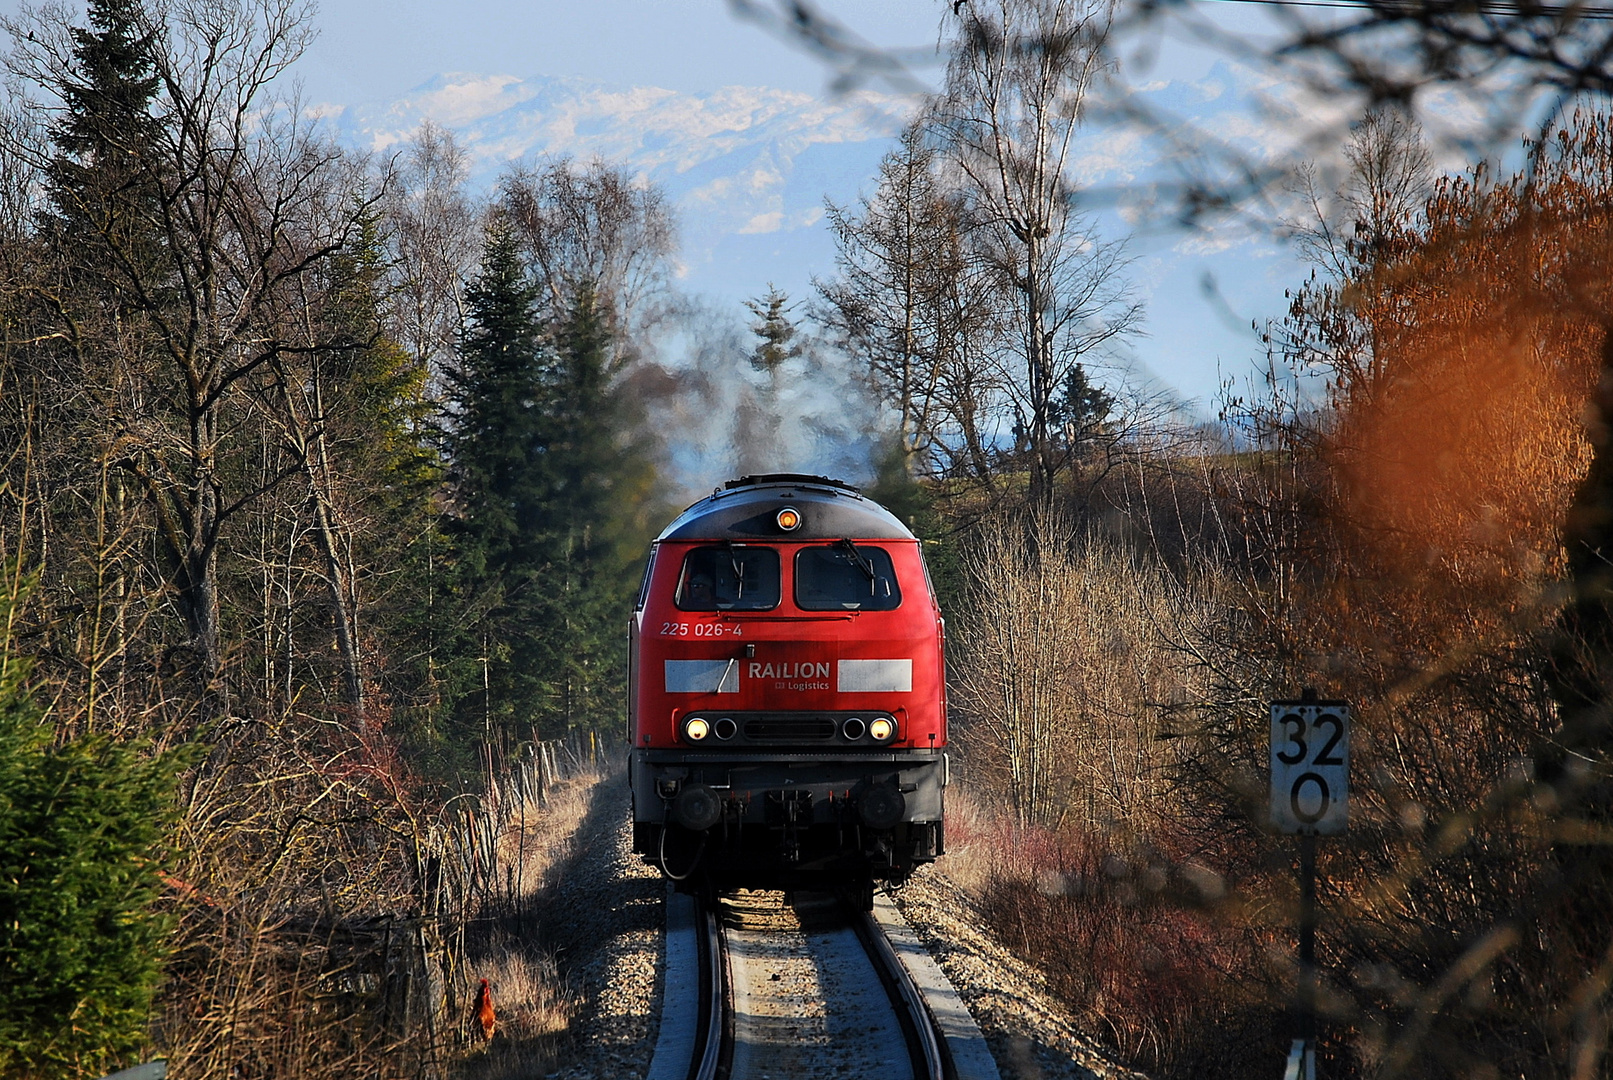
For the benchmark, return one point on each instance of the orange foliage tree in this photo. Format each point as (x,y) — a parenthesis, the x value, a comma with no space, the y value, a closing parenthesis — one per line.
(1462,331)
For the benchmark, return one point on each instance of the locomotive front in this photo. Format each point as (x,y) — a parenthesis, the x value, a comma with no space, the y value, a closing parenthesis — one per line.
(787,693)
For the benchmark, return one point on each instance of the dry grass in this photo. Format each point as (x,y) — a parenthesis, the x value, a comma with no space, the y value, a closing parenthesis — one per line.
(539,835)
(1067,653)
(533,840)
(532,1000)
(534,1010)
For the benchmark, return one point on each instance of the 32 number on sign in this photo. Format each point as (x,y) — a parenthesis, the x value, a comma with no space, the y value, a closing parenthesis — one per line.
(1310,766)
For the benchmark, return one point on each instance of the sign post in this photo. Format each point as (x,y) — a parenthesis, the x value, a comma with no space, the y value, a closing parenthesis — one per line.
(1310,791)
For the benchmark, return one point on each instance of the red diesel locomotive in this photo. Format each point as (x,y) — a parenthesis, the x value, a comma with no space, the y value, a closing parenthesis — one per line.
(788,702)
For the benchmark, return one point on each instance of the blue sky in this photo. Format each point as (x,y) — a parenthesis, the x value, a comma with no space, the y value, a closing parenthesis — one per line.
(376,49)
(375,52)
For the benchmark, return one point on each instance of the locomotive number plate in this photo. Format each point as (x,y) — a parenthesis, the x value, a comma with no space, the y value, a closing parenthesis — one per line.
(702,629)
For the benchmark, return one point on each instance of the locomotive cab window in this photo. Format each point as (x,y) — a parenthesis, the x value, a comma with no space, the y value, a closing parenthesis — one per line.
(845,577)
(733,577)
(644,582)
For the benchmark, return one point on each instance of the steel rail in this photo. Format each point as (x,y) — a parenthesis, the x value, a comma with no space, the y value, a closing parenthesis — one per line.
(713,1036)
(713,1052)
(924,1042)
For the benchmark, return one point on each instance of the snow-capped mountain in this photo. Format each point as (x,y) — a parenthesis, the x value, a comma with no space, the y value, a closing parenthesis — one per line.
(748,168)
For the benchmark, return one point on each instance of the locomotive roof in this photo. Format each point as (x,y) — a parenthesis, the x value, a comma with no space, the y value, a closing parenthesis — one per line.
(745,509)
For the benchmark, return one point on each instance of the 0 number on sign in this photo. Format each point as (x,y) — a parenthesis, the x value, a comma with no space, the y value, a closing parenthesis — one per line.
(1310,767)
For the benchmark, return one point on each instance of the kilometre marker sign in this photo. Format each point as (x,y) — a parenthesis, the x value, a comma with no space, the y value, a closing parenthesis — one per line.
(1310,766)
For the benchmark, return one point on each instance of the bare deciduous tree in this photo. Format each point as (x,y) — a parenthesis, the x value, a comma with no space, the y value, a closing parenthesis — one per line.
(1063,648)
(595,227)
(910,304)
(1016,86)
(237,211)
(435,237)
(1367,221)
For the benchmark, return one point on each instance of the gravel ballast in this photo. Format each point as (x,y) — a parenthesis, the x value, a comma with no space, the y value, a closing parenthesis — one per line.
(606,916)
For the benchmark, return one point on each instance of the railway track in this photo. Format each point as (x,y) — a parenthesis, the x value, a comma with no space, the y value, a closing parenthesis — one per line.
(802,989)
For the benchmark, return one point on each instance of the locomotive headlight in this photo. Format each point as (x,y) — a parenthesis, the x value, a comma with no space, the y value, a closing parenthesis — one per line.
(882,729)
(789,519)
(695,728)
(725,728)
(853,729)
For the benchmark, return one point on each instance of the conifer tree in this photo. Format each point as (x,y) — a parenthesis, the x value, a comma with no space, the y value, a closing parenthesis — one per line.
(497,450)
(602,480)
(758,414)
(83,823)
(96,232)
(774,331)
(379,421)
(99,184)
(1078,412)
(549,495)
(354,414)
(498,415)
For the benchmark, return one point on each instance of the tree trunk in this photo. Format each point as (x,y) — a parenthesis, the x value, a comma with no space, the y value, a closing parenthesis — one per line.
(342,616)
(339,584)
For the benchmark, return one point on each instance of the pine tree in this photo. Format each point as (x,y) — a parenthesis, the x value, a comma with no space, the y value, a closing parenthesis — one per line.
(774,331)
(550,496)
(384,413)
(497,452)
(498,403)
(602,480)
(357,417)
(83,824)
(1079,410)
(100,184)
(757,419)
(381,427)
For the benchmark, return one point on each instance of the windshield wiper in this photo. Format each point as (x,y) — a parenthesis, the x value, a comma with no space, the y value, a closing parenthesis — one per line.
(739,570)
(864,564)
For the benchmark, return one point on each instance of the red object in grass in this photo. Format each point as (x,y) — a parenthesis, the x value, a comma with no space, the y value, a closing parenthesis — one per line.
(486,1018)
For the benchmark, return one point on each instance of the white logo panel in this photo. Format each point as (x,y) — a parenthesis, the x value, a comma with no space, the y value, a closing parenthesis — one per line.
(875,676)
(702,676)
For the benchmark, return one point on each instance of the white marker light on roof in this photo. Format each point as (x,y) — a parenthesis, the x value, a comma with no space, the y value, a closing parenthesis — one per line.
(789,519)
